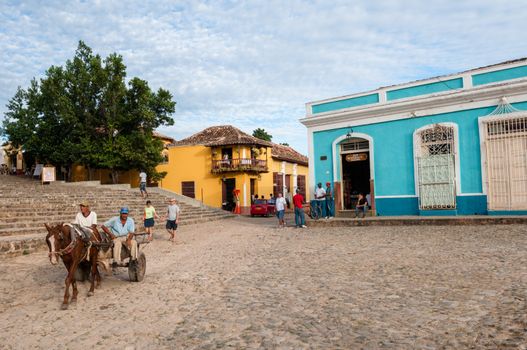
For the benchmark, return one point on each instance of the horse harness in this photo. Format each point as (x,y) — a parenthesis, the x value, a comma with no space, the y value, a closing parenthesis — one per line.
(86,235)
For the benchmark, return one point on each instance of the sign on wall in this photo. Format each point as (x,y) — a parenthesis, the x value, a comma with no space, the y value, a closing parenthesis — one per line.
(356,157)
(48,174)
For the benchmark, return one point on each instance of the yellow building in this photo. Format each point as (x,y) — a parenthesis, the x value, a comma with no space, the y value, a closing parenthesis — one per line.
(209,165)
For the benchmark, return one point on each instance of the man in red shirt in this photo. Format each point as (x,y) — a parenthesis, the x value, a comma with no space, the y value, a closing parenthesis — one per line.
(298,201)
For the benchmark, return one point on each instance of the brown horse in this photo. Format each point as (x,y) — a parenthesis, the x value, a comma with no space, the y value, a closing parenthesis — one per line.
(63,241)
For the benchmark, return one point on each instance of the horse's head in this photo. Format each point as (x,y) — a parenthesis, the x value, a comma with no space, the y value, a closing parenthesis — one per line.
(54,240)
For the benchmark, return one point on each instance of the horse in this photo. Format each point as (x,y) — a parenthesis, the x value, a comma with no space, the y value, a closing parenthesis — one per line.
(63,241)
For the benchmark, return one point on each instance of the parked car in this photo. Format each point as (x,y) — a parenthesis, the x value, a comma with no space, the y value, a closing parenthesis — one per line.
(262,207)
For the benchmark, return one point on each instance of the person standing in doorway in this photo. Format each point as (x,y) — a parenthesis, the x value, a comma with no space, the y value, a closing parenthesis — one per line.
(148,217)
(172,219)
(329,201)
(142,184)
(298,201)
(280,210)
(362,206)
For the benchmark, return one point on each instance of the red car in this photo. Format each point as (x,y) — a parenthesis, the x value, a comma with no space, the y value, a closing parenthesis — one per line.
(262,207)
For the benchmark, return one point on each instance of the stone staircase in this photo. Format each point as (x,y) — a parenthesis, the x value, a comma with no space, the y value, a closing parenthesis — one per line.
(25,205)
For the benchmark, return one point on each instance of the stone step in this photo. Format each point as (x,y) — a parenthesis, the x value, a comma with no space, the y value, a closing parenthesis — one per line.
(28,221)
(11,246)
(25,205)
(25,228)
(21,215)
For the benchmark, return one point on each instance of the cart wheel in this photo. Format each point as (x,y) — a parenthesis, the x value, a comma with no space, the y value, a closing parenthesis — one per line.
(137,268)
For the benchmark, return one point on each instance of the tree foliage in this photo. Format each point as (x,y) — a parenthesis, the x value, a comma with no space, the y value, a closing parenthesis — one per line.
(85,112)
(262,134)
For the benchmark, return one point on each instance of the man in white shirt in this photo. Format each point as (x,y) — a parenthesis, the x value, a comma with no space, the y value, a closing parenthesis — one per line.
(172,219)
(280,209)
(86,220)
(320,196)
(142,184)
(86,217)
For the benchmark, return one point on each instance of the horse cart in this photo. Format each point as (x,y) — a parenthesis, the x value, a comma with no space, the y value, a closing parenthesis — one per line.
(81,257)
(136,268)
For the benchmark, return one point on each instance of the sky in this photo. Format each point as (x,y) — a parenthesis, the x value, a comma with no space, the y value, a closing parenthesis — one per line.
(254,64)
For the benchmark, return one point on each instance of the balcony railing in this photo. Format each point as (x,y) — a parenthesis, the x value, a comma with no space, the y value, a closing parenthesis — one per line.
(239,164)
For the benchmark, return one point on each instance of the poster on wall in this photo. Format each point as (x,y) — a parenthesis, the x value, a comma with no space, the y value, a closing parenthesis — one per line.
(48,174)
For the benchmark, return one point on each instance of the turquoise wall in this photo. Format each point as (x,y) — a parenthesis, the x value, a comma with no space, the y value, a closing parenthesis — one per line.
(425,89)
(393,155)
(499,75)
(347,103)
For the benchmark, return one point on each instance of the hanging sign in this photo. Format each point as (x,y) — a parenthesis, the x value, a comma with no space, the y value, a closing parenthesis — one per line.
(355,157)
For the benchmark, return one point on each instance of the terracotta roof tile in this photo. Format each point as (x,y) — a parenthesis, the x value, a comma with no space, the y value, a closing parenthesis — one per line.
(221,135)
(286,153)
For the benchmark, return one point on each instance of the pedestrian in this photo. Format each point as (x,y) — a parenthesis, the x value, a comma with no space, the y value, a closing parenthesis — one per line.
(362,206)
(329,201)
(142,184)
(148,217)
(298,201)
(172,219)
(320,196)
(280,210)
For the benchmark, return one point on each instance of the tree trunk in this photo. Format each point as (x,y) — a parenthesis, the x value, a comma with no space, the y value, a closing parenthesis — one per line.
(115,176)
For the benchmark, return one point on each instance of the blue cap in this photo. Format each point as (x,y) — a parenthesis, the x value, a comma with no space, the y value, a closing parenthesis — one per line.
(124,210)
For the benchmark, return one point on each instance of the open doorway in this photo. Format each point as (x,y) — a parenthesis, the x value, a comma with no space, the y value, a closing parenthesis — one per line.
(355,161)
(227,196)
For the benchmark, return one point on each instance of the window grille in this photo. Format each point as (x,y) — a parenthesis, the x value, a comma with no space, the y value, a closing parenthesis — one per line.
(436,168)
(354,145)
(506,162)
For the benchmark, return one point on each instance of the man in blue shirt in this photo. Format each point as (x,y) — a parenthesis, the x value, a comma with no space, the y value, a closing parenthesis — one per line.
(121,228)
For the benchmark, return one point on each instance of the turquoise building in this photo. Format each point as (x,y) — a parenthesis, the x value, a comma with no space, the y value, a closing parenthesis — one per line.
(449,145)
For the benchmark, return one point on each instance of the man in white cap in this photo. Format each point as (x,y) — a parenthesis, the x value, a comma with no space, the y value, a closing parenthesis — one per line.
(85,221)
(121,228)
(86,217)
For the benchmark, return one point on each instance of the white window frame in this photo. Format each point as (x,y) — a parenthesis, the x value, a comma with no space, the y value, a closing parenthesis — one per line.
(457,167)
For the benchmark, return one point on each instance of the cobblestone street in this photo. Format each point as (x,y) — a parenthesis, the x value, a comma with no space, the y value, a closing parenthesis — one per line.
(243,284)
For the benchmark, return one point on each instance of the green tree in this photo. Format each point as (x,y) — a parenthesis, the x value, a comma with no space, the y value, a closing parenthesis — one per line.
(284,144)
(262,134)
(85,113)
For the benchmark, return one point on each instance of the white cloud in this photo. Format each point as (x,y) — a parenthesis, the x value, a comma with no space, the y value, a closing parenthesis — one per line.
(255,64)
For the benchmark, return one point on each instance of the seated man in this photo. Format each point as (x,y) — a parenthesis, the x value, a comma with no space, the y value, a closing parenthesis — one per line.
(362,205)
(121,228)
(86,219)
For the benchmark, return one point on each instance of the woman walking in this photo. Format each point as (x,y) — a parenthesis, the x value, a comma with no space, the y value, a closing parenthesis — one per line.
(148,217)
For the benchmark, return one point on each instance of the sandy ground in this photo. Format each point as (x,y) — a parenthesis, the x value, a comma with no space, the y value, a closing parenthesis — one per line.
(241,283)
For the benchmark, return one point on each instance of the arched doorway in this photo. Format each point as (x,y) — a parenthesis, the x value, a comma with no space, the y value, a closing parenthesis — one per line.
(355,171)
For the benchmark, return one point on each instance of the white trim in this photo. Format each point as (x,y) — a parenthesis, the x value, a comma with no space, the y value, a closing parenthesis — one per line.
(478,97)
(398,196)
(470,194)
(336,159)
(483,149)
(311,161)
(244,194)
(464,75)
(467,81)
(457,166)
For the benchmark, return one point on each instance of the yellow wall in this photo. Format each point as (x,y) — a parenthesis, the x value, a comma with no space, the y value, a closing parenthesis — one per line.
(194,163)
(80,173)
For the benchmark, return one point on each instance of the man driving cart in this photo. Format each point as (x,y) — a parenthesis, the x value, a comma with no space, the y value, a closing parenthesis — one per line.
(121,229)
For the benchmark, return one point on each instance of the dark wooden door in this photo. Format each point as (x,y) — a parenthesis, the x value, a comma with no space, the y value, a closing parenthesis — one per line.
(278,184)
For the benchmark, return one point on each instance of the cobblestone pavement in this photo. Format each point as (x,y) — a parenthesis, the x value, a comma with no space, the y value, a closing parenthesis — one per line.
(244,284)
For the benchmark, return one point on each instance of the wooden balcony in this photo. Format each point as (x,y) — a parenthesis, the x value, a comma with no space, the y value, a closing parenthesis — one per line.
(239,164)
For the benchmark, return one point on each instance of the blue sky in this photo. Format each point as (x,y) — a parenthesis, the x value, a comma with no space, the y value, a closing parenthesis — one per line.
(256,63)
